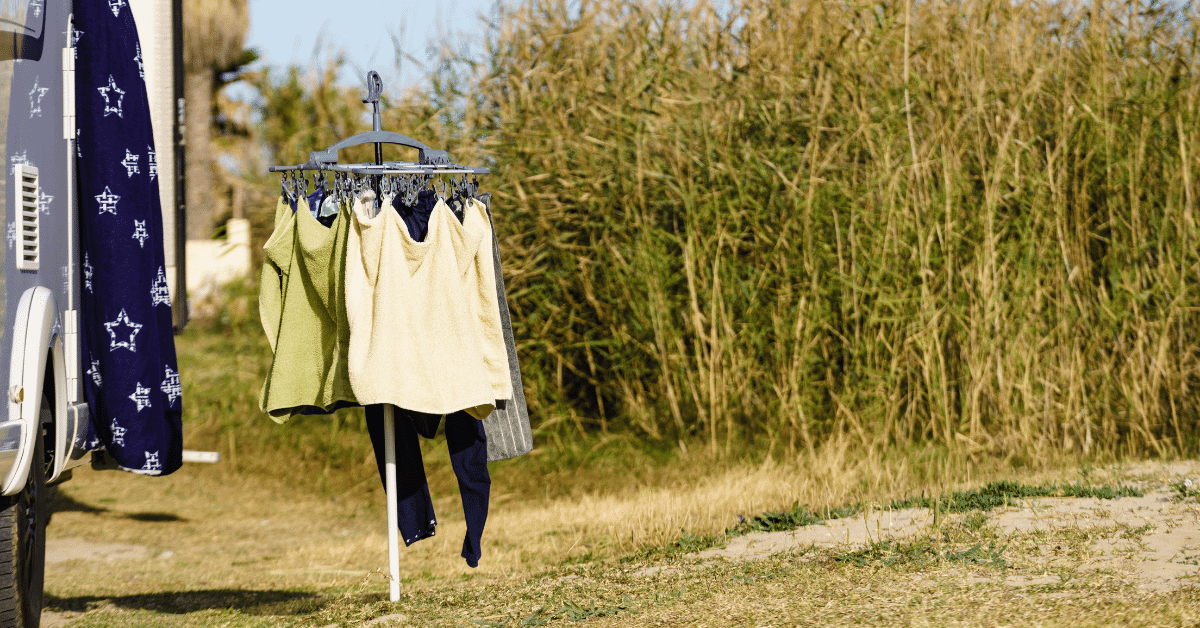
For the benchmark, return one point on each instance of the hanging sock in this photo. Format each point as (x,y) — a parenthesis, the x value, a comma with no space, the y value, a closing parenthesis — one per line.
(414,507)
(467,443)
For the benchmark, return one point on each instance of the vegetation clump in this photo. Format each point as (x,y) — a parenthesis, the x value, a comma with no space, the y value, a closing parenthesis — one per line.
(921,552)
(993,495)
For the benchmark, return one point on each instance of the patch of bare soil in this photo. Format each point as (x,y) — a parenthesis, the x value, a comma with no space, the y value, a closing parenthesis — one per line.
(1153,540)
(74,548)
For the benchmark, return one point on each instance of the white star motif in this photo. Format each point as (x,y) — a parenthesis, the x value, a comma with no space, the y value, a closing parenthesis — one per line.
(160,292)
(138,59)
(152,162)
(139,232)
(108,201)
(87,272)
(95,373)
(22,159)
(44,201)
(12,234)
(171,387)
(117,92)
(130,163)
(35,97)
(152,463)
(118,434)
(123,321)
(141,396)
(116,5)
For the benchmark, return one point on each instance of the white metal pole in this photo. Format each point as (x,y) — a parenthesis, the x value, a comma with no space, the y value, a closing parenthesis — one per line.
(389,461)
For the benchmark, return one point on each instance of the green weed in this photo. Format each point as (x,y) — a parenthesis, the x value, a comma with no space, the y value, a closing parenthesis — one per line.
(993,495)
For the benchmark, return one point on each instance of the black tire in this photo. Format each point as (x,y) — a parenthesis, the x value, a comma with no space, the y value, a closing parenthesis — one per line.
(23,541)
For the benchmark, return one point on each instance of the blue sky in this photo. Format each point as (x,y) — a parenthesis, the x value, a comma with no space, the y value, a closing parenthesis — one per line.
(298,31)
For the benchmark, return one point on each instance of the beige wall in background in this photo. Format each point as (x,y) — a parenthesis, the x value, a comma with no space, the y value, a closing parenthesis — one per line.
(214,263)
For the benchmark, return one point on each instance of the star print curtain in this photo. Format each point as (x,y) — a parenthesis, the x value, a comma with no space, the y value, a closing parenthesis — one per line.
(132,379)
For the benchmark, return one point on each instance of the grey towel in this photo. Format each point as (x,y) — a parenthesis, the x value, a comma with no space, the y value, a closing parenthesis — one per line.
(507,428)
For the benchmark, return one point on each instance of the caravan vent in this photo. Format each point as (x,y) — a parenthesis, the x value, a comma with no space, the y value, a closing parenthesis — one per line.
(27,217)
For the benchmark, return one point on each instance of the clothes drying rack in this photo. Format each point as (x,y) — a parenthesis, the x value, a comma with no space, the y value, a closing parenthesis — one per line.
(431,163)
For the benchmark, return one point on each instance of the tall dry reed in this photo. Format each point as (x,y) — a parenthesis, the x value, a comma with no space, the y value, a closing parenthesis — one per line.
(968,223)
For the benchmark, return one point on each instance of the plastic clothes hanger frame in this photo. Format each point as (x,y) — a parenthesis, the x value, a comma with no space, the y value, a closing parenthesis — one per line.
(431,161)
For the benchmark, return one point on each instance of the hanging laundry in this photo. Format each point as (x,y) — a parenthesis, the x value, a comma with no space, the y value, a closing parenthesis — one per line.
(416,216)
(507,427)
(468,457)
(467,439)
(132,383)
(322,205)
(303,312)
(429,330)
(277,264)
(424,313)
(508,431)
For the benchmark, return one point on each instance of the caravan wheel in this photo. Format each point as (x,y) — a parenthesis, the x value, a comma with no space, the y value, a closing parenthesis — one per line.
(23,543)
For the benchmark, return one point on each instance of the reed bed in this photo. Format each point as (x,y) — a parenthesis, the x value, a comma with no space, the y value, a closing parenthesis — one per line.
(811,225)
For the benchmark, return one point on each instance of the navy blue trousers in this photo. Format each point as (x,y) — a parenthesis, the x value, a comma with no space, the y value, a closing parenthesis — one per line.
(468,456)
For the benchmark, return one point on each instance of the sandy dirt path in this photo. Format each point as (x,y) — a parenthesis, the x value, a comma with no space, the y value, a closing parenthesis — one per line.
(1153,540)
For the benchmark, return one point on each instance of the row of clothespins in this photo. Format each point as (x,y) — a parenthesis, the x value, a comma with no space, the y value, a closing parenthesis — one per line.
(347,185)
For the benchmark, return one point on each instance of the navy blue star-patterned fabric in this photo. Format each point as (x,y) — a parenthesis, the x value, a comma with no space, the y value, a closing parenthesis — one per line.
(132,378)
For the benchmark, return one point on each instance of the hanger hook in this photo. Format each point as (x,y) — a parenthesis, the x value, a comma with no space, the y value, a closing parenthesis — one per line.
(374,87)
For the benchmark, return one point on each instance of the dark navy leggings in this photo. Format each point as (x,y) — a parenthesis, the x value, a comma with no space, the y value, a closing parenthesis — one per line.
(468,456)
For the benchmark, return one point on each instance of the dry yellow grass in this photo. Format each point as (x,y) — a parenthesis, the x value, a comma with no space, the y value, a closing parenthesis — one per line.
(252,531)
(242,550)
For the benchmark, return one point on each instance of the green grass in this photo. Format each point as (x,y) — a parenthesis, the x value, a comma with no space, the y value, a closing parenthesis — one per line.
(993,495)
(922,553)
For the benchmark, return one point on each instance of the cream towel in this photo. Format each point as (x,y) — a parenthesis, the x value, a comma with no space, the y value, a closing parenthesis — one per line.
(485,303)
(420,313)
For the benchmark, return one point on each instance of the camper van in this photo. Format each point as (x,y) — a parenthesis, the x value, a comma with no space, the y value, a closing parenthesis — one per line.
(42,437)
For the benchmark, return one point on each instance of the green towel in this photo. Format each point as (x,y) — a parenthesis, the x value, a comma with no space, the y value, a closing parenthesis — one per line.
(303,310)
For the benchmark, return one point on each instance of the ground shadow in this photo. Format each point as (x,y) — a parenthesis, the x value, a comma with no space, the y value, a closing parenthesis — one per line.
(154,517)
(61,502)
(65,503)
(182,602)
